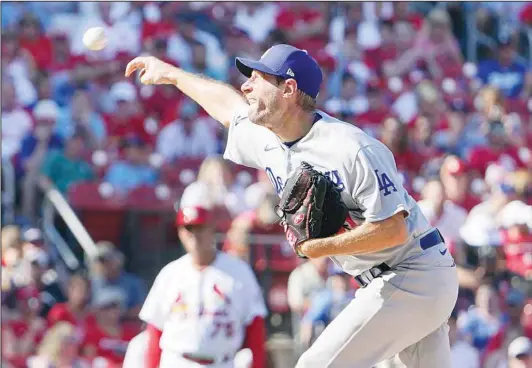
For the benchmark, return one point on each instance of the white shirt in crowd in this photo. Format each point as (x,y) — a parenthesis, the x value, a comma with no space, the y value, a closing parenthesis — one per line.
(172,141)
(136,351)
(463,355)
(258,24)
(203,312)
(450,221)
(15,125)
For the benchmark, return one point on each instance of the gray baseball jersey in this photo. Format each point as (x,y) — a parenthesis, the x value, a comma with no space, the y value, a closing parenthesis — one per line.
(362,167)
(404,311)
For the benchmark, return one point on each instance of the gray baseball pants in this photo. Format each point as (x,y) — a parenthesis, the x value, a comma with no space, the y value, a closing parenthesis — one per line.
(404,311)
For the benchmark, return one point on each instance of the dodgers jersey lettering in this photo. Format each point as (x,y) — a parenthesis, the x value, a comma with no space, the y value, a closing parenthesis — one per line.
(362,167)
(203,313)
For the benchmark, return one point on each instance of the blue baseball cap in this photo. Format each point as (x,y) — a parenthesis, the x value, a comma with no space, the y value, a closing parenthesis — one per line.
(287,62)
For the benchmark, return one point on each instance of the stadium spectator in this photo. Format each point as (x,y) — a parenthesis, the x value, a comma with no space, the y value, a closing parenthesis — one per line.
(505,72)
(109,272)
(35,144)
(395,136)
(304,24)
(483,320)
(180,44)
(227,192)
(256,19)
(61,170)
(510,330)
(133,171)
(44,280)
(33,151)
(12,253)
(460,136)
(435,46)
(22,333)
(33,39)
(260,219)
(125,120)
(256,192)
(79,116)
(187,136)
(108,337)
(198,63)
(59,348)
(325,305)
(303,282)
(16,122)
(456,180)
(444,215)
(75,310)
(463,354)
(499,149)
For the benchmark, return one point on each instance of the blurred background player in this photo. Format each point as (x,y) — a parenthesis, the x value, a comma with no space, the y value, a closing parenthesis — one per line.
(206,306)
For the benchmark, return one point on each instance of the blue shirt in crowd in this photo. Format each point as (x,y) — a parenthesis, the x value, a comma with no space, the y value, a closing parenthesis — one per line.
(325,306)
(509,79)
(28,145)
(125,176)
(129,284)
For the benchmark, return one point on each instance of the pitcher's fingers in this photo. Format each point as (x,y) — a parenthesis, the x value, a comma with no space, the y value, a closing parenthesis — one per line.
(134,65)
(145,79)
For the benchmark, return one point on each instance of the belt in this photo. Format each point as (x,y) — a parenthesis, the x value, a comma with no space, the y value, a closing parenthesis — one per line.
(426,242)
(203,360)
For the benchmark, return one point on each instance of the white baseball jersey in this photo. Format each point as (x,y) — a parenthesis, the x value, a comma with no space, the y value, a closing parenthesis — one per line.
(203,313)
(362,167)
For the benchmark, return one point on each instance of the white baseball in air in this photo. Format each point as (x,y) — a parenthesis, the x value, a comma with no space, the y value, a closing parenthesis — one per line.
(95,38)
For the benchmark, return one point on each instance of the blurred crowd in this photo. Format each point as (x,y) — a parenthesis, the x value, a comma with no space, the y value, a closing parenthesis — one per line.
(461,133)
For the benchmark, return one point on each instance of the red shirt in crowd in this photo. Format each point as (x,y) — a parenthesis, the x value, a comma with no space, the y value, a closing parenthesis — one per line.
(157,29)
(61,313)
(68,64)
(408,161)
(99,343)
(288,19)
(134,126)
(480,157)
(371,117)
(40,50)
(468,202)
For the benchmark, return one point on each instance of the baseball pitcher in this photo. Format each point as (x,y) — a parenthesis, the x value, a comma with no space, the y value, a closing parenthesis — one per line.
(328,171)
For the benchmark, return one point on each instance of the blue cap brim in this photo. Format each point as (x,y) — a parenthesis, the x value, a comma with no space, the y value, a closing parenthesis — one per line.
(246,66)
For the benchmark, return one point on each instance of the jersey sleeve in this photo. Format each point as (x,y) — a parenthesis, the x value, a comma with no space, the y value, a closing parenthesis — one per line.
(244,141)
(156,307)
(378,189)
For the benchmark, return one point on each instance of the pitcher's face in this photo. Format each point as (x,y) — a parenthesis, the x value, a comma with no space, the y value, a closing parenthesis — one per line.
(264,98)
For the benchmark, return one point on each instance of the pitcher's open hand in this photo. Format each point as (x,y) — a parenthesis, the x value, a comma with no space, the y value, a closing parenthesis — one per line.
(152,70)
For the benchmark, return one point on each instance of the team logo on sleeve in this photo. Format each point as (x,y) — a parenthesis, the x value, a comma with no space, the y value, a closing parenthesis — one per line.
(386,185)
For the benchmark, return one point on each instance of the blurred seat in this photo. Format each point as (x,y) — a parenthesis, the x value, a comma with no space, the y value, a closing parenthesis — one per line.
(271,251)
(152,198)
(102,216)
(180,173)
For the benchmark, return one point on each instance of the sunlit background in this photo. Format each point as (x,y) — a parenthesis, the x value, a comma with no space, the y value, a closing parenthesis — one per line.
(93,163)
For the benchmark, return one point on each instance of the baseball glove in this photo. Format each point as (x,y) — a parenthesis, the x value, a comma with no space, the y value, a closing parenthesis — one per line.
(310,207)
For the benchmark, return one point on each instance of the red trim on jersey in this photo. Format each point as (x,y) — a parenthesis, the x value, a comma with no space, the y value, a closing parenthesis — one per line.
(255,340)
(153,352)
